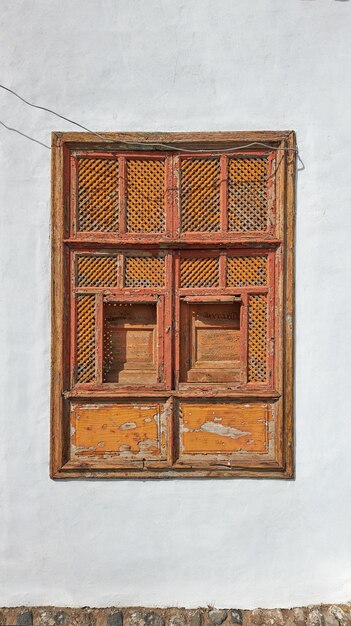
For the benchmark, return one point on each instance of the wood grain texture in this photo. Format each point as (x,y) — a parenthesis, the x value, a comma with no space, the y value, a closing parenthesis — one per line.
(57,332)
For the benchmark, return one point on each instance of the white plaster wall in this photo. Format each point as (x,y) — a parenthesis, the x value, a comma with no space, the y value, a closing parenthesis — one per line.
(178,65)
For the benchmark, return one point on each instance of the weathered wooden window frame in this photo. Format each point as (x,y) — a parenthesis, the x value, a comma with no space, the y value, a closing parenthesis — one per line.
(277,243)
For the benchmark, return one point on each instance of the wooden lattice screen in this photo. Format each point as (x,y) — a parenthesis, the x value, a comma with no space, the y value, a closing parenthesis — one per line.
(172,305)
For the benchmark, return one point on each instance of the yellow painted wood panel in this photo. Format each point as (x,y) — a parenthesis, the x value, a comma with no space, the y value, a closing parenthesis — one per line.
(130,430)
(223,428)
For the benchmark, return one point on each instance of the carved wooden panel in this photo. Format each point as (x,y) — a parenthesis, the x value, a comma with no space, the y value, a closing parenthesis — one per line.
(130,336)
(172,305)
(210,343)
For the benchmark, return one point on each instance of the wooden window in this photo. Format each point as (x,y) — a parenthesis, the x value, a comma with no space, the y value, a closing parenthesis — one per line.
(172,269)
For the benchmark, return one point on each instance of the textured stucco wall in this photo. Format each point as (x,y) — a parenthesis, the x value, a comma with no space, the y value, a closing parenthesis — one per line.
(178,65)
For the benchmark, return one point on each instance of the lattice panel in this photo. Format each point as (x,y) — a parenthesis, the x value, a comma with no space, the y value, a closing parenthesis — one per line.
(247,194)
(199,272)
(243,271)
(85,339)
(143,271)
(98,195)
(200,187)
(97,271)
(257,344)
(145,195)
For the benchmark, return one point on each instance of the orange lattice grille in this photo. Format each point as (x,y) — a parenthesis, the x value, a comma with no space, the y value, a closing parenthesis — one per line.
(200,209)
(96,271)
(85,339)
(247,194)
(145,195)
(246,270)
(201,272)
(98,194)
(144,271)
(257,357)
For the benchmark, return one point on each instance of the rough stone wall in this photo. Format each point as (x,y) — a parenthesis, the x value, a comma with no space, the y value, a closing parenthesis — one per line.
(316,615)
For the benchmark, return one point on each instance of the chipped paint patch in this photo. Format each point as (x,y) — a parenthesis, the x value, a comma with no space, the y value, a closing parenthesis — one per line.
(128,426)
(224,431)
(148,445)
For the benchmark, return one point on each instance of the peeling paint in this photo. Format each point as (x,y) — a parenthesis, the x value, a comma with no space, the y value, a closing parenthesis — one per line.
(224,431)
(128,426)
(145,445)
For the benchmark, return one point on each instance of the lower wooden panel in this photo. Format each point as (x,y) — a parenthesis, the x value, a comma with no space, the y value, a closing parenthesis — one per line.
(123,430)
(171,437)
(227,433)
(223,428)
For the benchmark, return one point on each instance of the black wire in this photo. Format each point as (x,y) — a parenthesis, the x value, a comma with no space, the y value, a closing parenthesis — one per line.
(138,143)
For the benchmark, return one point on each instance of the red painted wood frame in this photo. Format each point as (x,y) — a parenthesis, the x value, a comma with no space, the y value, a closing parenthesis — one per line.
(162,297)
(255,432)
(225,293)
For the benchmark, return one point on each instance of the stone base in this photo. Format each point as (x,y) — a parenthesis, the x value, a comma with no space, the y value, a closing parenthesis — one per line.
(321,615)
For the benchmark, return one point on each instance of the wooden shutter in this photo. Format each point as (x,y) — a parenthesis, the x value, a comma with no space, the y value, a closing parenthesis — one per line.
(172,271)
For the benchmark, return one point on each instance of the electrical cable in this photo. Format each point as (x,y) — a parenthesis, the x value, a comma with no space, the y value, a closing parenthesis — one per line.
(138,143)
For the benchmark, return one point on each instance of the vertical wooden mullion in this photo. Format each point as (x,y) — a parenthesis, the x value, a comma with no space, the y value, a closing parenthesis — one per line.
(122,171)
(168,319)
(286,300)
(171,432)
(176,325)
(224,193)
(160,326)
(271,330)
(99,336)
(73,321)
